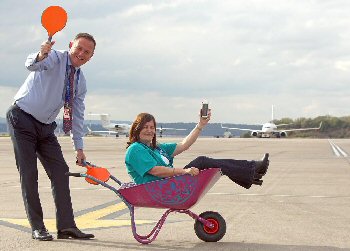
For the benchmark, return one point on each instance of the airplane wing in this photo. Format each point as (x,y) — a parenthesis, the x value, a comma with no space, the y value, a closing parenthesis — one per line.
(109,132)
(165,128)
(161,130)
(303,129)
(242,129)
(283,124)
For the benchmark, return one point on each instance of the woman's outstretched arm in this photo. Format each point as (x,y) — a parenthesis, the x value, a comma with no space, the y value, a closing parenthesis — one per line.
(192,136)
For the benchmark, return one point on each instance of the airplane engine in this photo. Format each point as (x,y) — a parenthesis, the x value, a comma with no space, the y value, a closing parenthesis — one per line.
(118,128)
(283,134)
(254,134)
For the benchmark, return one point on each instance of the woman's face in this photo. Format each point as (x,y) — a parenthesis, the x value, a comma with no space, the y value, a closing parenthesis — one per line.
(147,133)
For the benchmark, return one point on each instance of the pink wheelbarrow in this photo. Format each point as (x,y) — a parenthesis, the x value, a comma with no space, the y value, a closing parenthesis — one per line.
(176,194)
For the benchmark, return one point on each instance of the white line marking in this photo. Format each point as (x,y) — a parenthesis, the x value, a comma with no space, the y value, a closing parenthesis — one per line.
(341,151)
(335,151)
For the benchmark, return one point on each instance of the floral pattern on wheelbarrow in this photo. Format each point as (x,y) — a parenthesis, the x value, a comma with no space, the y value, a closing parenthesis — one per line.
(172,192)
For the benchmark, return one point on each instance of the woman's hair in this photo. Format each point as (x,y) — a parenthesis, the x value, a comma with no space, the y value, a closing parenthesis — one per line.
(136,127)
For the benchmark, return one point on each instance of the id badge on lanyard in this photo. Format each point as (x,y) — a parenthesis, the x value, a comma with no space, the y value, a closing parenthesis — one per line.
(67,113)
(165,157)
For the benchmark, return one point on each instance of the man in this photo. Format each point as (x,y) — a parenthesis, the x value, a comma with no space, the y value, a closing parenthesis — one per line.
(56,80)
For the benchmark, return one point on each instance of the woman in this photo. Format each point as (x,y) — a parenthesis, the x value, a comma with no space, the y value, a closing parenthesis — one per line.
(146,160)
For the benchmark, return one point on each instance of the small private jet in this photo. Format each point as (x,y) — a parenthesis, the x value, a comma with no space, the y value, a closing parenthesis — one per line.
(121,129)
(269,129)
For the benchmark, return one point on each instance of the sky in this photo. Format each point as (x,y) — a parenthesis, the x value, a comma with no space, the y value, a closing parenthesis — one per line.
(165,57)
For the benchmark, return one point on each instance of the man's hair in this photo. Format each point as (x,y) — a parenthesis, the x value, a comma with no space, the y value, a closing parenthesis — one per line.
(137,126)
(86,36)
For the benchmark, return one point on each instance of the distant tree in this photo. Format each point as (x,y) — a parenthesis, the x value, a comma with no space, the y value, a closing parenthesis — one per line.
(283,121)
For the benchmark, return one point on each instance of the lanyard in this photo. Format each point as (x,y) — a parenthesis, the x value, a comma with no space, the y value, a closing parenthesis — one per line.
(67,95)
(160,151)
(163,153)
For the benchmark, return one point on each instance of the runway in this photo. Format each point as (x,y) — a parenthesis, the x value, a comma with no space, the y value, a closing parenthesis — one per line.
(303,204)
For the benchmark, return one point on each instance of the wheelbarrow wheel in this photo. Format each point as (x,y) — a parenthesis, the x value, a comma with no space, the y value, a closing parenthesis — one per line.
(210,234)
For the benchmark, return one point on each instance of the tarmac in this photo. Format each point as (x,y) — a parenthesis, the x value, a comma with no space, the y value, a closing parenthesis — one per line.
(303,204)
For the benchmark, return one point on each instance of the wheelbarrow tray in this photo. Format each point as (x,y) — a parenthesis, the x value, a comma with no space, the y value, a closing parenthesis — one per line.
(178,192)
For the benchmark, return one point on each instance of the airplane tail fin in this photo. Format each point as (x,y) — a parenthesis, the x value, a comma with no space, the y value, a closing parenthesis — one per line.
(223,127)
(105,120)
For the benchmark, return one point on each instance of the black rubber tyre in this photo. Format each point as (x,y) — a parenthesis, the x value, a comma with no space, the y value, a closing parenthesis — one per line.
(210,234)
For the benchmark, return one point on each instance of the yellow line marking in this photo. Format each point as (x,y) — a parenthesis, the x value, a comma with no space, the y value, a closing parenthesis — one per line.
(88,220)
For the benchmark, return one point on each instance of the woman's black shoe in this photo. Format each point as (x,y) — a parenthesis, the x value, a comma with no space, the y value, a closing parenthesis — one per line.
(257,182)
(257,176)
(262,166)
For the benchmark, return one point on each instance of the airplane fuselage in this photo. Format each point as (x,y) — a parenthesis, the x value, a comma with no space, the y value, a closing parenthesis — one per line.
(269,130)
(118,127)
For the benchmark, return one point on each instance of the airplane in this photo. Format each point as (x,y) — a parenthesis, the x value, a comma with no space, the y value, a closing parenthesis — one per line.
(112,128)
(122,129)
(100,133)
(270,129)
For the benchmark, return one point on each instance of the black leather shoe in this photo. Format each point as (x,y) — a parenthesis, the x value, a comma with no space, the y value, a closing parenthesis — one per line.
(73,233)
(257,176)
(261,166)
(41,235)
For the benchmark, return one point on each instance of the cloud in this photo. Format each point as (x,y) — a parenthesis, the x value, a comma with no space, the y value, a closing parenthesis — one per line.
(6,99)
(244,55)
(342,65)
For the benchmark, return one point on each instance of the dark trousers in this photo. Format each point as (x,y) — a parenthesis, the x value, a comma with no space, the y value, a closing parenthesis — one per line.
(31,140)
(239,171)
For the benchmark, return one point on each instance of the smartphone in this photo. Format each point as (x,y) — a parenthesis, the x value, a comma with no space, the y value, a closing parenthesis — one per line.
(205,109)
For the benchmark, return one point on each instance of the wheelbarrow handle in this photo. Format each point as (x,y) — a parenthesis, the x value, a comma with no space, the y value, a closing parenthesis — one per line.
(73,174)
(85,163)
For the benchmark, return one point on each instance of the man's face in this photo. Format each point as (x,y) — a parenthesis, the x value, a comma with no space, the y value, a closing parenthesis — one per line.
(81,50)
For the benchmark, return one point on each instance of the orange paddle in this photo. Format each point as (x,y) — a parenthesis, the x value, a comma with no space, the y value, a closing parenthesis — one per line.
(53,19)
(99,173)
